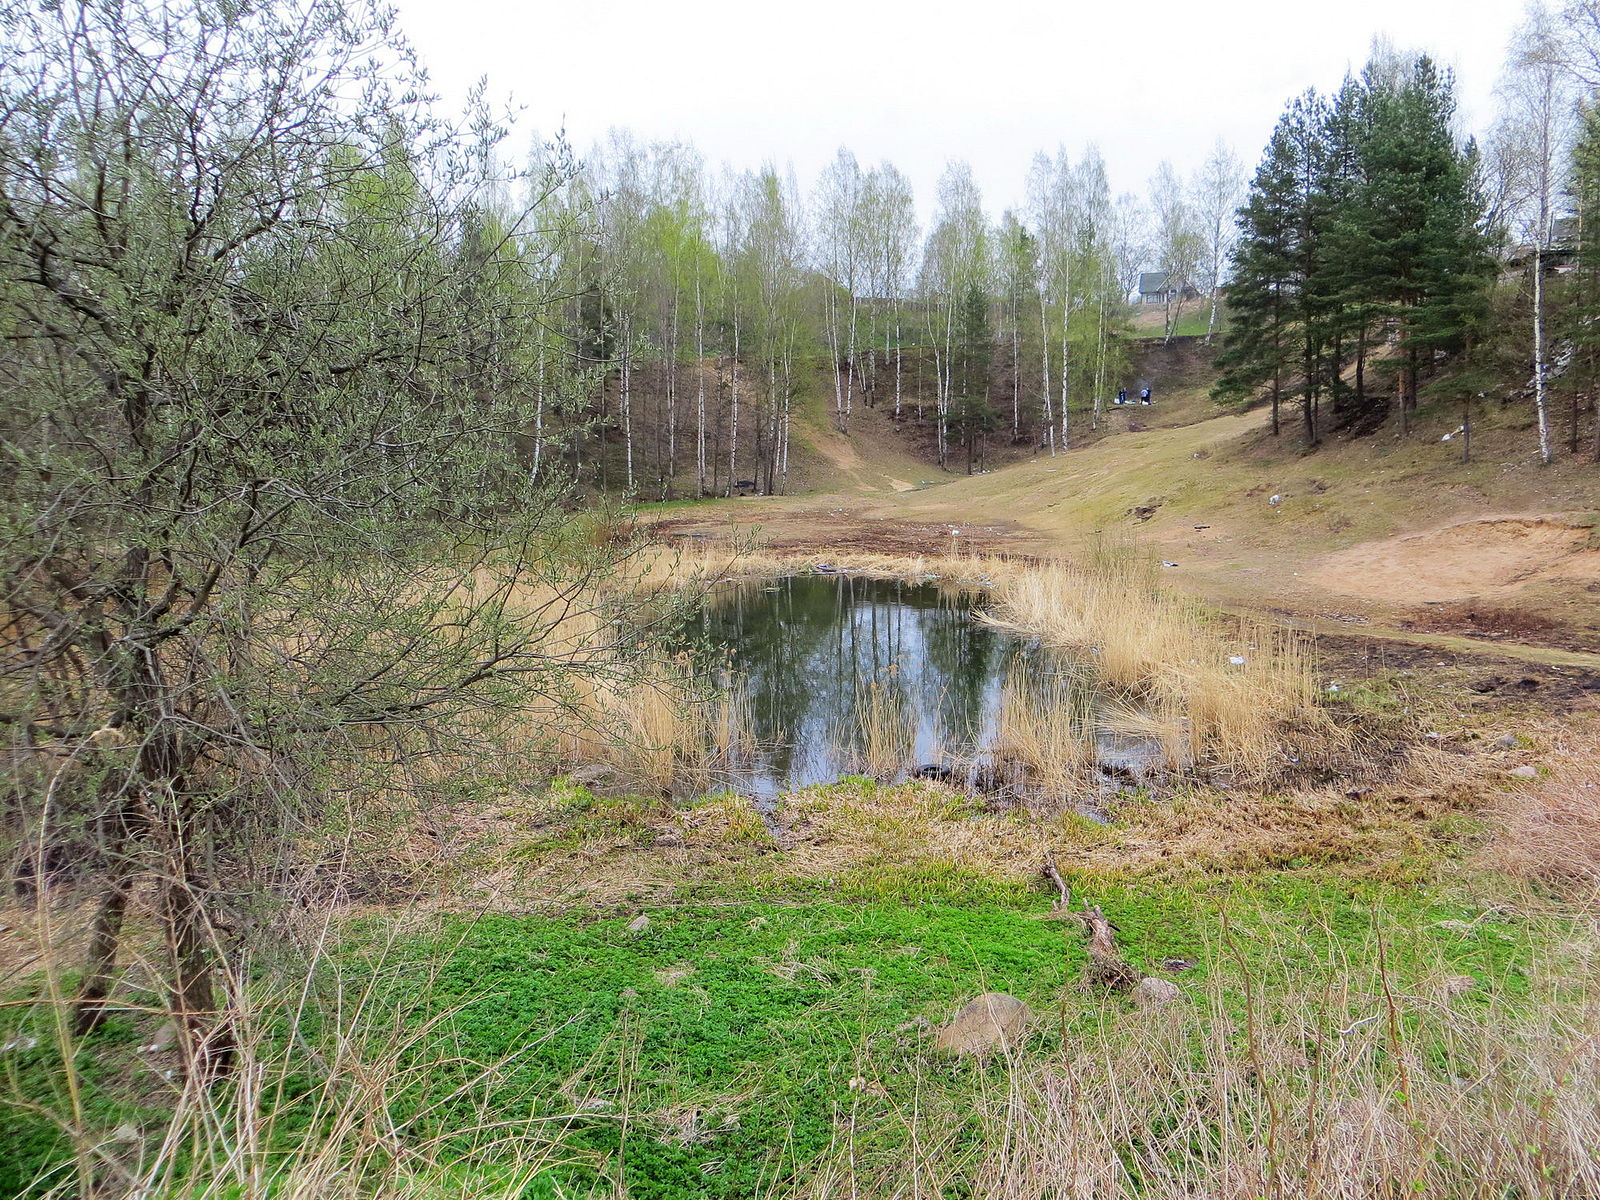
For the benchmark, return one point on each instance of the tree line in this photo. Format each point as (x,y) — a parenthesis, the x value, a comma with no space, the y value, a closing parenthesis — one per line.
(701,310)
(1380,253)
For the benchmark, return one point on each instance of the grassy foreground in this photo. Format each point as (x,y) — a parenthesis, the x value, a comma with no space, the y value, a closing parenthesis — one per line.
(558,994)
(1390,1022)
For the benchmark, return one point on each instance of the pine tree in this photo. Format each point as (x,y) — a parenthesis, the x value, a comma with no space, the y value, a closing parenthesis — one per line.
(1256,349)
(1582,325)
(1423,210)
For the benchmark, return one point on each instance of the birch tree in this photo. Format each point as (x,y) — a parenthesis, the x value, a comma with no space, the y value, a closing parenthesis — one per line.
(1533,137)
(1179,242)
(1052,213)
(954,261)
(841,204)
(1218,190)
(891,234)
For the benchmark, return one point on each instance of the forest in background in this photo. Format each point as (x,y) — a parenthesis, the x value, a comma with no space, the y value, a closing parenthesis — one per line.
(318,408)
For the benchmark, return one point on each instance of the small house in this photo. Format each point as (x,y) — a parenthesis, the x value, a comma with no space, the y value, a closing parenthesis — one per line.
(1154,289)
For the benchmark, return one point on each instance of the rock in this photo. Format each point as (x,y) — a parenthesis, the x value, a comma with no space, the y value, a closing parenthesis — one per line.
(1523,772)
(592,773)
(1456,926)
(1275,500)
(166,1037)
(992,1021)
(639,924)
(1177,964)
(1455,985)
(1506,741)
(1153,992)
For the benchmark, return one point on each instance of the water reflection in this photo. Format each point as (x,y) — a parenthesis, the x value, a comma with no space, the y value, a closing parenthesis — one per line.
(845,674)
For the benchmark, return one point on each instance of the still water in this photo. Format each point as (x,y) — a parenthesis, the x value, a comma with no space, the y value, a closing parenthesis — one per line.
(819,657)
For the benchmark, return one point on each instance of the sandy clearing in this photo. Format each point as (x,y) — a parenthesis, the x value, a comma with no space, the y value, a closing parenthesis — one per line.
(1484,557)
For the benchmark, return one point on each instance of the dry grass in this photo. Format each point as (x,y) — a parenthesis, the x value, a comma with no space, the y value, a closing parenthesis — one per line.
(341,1087)
(1047,726)
(1359,1090)
(1202,686)
(1551,831)
(665,731)
(629,713)
(885,735)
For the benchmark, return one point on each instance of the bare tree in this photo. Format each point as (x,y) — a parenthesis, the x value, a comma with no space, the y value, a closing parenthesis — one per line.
(262,363)
(1532,141)
(1218,189)
(1179,243)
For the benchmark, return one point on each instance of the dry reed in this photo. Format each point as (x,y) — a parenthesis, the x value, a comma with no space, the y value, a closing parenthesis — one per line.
(1360,1086)
(1229,690)
(885,739)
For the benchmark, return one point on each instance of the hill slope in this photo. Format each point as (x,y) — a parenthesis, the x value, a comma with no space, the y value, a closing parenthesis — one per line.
(1383,528)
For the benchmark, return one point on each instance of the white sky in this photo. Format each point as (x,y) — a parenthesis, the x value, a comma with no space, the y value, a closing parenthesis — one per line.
(921,82)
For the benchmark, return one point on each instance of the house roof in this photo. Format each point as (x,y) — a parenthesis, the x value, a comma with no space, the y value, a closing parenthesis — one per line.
(1151,282)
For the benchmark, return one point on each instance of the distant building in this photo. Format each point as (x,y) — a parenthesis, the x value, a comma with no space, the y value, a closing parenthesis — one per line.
(1559,253)
(1153,289)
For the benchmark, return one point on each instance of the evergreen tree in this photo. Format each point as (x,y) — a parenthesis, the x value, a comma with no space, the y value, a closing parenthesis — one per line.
(1582,325)
(1423,213)
(1256,349)
(1365,212)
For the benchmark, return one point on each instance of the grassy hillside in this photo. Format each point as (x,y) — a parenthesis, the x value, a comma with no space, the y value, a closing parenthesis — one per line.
(1386,527)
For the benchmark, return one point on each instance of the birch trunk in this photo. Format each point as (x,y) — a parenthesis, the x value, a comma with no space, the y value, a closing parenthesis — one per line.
(1065,370)
(627,407)
(700,388)
(538,419)
(833,360)
(850,359)
(897,363)
(672,404)
(1046,413)
(733,404)
(1016,372)
(1540,367)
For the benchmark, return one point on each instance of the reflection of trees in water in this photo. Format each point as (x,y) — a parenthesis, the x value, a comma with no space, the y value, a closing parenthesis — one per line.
(811,648)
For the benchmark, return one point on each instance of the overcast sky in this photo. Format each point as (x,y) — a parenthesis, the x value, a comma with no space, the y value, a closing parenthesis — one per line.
(921,82)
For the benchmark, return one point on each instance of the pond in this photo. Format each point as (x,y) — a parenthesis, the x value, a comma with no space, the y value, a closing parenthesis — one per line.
(842,674)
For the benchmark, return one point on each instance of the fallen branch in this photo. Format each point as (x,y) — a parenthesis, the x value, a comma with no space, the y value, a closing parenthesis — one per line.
(1050,872)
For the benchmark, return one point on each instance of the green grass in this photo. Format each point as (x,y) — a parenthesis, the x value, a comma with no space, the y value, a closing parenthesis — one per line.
(712,1055)
(756,1013)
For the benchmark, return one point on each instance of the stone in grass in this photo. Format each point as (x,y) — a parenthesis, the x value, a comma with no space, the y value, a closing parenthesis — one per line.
(639,924)
(1523,772)
(992,1021)
(1153,992)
